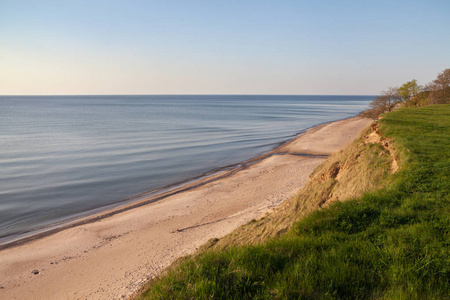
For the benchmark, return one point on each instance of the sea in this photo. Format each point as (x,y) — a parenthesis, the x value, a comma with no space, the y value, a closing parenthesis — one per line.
(66,157)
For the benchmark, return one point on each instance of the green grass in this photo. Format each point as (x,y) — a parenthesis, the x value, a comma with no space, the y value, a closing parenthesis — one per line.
(393,243)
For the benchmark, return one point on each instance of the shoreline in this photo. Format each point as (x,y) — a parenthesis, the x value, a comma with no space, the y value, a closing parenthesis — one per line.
(110,255)
(154,195)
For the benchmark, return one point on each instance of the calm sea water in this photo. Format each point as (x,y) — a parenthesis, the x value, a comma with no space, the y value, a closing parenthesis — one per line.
(64,156)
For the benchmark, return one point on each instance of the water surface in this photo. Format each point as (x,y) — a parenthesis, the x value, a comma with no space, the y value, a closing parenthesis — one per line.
(63,156)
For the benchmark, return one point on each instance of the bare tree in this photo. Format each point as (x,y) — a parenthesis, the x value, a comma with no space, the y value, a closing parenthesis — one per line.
(391,97)
(380,104)
(440,88)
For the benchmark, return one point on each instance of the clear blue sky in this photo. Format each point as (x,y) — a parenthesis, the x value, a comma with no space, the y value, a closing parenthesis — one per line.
(220,47)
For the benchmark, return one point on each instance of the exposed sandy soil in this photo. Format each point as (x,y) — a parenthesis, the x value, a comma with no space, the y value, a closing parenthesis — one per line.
(112,257)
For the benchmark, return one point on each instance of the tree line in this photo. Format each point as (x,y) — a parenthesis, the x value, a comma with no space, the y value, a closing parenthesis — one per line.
(411,94)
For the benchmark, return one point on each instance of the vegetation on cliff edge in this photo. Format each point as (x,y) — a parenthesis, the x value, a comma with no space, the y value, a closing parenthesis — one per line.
(411,94)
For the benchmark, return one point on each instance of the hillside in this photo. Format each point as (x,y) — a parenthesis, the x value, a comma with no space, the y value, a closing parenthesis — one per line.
(389,239)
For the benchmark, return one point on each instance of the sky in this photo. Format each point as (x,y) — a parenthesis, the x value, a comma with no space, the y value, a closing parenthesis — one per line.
(322,47)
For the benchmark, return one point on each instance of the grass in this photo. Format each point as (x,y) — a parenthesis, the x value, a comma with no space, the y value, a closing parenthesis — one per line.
(347,174)
(391,243)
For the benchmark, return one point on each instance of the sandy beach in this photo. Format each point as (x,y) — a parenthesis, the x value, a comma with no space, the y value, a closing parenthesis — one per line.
(109,256)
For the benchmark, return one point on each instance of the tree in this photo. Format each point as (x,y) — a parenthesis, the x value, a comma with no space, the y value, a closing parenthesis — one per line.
(391,98)
(409,92)
(440,88)
(385,102)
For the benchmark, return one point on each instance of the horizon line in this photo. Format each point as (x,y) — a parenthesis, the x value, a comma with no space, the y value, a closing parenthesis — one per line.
(56,95)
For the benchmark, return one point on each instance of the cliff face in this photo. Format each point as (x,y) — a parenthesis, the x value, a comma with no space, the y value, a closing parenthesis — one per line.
(362,166)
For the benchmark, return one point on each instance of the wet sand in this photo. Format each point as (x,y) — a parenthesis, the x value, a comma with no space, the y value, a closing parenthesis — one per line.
(110,255)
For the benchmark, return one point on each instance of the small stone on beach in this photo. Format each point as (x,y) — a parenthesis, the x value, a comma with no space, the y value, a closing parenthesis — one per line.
(35,272)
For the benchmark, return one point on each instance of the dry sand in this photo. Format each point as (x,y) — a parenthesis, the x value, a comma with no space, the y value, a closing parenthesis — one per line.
(112,257)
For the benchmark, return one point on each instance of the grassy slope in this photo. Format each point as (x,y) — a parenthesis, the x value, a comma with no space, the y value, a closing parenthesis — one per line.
(362,166)
(390,243)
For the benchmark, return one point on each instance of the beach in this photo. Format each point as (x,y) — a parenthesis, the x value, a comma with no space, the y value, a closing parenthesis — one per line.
(110,255)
